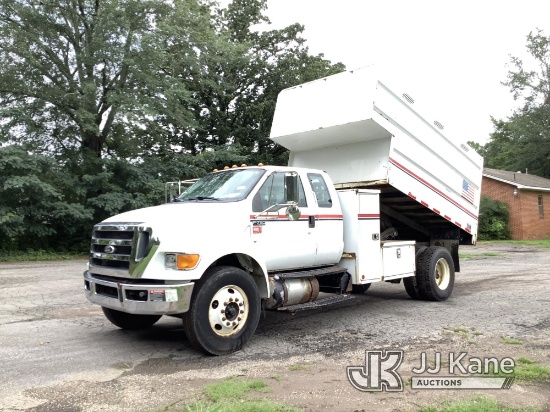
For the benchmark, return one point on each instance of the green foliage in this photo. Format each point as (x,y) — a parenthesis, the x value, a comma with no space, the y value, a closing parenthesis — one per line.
(31,255)
(523,140)
(230,396)
(33,210)
(103,102)
(511,341)
(87,75)
(477,404)
(493,219)
(544,243)
(241,406)
(232,389)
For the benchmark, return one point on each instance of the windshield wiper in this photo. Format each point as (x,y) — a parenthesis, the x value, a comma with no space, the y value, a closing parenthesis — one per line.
(201,198)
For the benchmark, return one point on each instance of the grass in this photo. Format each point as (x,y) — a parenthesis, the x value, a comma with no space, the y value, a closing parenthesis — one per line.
(245,406)
(527,369)
(299,367)
(37,255)
(230,396)
(544,243)
(532,372)
(478,404)
(511,341)
(465,332)
(477,255)
(232,389)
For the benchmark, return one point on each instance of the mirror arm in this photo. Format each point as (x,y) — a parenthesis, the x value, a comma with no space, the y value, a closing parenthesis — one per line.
(276,206)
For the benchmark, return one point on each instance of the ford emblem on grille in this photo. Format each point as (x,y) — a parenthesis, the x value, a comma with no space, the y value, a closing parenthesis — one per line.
(109,249)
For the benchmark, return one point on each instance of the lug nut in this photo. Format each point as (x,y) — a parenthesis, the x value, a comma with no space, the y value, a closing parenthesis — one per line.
(234,323)
(228,324)
(223,319)
(230,299)
(242,311)
(239,319)
(240,304)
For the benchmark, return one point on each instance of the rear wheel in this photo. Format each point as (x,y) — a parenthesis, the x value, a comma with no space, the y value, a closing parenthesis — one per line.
(411,285)
(435,274)
(130,321)
(224,312)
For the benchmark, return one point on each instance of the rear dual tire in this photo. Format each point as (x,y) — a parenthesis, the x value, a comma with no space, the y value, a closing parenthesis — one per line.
(435,275)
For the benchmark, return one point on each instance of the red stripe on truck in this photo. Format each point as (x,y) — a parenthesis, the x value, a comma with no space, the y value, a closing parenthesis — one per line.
(430,186)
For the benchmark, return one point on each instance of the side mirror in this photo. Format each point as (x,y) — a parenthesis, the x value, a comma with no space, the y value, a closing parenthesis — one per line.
(293,212)
(291,188)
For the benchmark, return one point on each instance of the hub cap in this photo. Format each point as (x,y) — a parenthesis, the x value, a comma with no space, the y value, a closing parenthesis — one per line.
(442,273)
(228,311)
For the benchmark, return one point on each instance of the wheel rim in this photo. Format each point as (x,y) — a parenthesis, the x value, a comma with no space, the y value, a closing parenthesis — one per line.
(442,273)
(228,311)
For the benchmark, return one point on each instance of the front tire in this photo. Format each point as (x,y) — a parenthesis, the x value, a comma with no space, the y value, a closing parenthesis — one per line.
(360,289)
(435,274)
(129,321)
(225,311)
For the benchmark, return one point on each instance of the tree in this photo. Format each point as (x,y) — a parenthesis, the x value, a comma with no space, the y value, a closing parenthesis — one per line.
(103,101)
(235,85)
(493,220)
(523,140)
(83,75)
(34,210)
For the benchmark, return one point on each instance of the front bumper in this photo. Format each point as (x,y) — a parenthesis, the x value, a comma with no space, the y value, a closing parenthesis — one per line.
(138,298)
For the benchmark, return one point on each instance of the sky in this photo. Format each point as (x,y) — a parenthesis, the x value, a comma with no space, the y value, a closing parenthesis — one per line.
(454,55)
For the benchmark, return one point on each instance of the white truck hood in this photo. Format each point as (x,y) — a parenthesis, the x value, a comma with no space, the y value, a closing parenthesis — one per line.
(188,214)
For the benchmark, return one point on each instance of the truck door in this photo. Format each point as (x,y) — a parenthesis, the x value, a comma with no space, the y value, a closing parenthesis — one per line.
(284,243)
(326,224)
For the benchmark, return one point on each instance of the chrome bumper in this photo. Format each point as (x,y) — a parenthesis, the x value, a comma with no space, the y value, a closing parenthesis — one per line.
(139,299)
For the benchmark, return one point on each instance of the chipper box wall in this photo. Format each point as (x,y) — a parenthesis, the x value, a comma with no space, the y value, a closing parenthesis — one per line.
(369,133)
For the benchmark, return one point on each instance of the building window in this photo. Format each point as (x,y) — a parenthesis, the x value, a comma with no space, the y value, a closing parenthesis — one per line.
(541,207)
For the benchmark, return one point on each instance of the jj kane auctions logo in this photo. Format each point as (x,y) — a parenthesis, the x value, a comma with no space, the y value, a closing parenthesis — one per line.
(380,372)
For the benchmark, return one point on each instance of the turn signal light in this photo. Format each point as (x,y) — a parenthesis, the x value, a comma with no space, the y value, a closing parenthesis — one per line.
(180,261)
(187,261)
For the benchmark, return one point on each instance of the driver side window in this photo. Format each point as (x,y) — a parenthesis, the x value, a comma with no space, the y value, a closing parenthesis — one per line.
(272,192)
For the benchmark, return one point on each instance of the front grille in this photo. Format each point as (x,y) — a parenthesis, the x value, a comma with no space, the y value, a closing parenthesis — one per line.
(118,248)
(112,246)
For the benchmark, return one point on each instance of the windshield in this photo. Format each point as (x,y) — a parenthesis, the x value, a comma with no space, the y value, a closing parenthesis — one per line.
(228,186)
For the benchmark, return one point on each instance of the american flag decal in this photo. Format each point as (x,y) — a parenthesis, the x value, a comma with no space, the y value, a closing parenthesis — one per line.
(468,191)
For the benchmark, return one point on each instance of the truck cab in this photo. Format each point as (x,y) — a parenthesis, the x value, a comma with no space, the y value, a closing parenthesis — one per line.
(264,219)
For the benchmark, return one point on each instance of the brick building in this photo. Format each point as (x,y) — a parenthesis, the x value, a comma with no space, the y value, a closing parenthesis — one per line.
(528,199)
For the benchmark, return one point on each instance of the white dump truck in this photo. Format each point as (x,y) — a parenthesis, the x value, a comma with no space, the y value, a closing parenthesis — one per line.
(374,191)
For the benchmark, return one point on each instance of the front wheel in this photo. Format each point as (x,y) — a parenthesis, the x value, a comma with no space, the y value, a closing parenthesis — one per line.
(435,274)
(225,311)
(360,289)
(130,321)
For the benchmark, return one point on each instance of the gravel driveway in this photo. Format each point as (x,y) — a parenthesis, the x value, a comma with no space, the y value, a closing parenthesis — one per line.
(60,354)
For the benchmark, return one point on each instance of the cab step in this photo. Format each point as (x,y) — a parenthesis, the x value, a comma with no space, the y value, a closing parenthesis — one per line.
(317,304)
(330,270)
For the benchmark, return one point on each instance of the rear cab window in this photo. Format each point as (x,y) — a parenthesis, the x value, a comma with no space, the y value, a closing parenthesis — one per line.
(320,188)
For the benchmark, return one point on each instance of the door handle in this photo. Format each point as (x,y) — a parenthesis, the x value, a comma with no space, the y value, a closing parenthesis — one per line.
(312,221)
